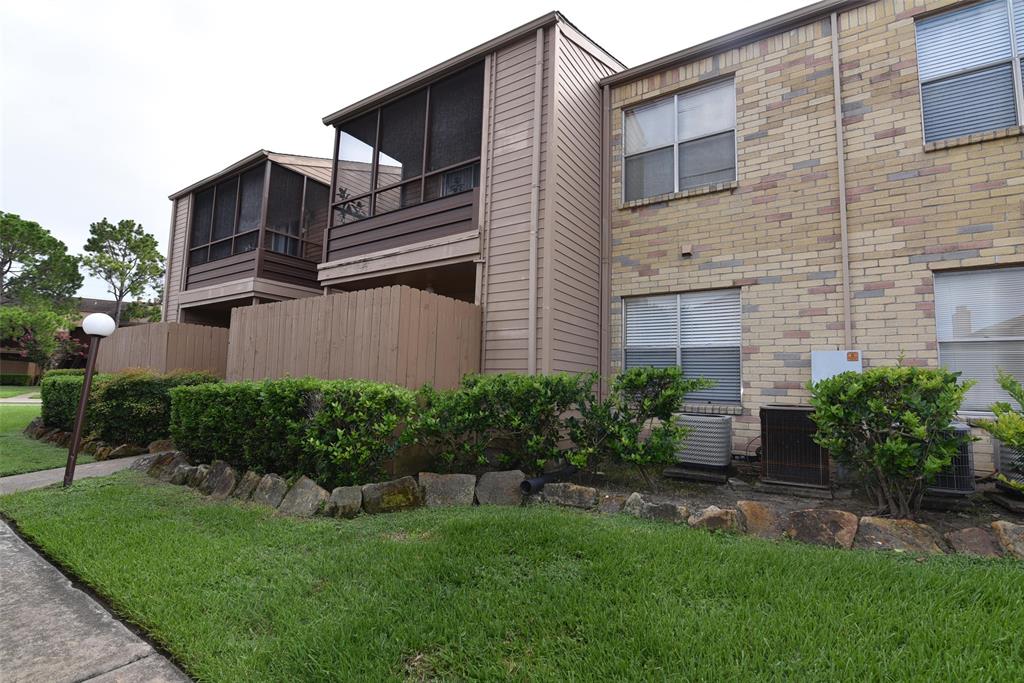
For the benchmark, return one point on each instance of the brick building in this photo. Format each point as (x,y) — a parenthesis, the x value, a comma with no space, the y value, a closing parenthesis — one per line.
(754,216)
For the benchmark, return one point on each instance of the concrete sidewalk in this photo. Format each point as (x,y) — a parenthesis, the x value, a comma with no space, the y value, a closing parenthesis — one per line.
(37,480)
(51,631)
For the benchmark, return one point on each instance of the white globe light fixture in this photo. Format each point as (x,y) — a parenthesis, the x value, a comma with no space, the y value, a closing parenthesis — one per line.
(97,326)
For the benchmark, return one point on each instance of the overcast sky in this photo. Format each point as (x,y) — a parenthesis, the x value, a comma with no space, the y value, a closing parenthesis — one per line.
(108,107)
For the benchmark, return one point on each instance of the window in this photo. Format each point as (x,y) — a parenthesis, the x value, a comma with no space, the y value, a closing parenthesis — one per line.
(970,64)
(682,142)
(979,319)
(697,331)
(423,146)
(225,218)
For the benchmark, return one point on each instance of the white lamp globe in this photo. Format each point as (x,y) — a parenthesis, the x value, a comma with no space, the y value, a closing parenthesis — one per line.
(98,325)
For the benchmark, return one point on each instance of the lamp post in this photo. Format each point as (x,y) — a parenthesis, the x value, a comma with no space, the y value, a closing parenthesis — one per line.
(97,326)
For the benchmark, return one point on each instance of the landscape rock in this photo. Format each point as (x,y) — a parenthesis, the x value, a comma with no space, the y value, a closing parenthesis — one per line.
(246,485)
(163,465)
(303,499)
(391,496)
(161,445)
(714,518)
(500,488)
(220,480)
(344,501)
(974,541)
(197,477)
(1011,537)
(181,474)
(832,528)
(904,535)
(270,491)
(636,506)
(125,451)
(760,519)
(570,495)
(90,446)
(447,490)
(611,503)
(102,453)
(33,426)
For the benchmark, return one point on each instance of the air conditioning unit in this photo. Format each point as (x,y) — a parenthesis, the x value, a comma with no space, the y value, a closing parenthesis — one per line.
(709,441)
(958,478)
(1009,461)
(788,452)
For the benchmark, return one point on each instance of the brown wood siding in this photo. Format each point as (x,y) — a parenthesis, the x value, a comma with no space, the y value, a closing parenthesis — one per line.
(391,334)
(575,321)
(165,347)
(174,282)
(430,220)
(227,269)
(285,268)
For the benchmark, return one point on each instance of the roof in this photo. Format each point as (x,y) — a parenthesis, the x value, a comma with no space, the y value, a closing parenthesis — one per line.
(763,29)
(315,168)
(465,59)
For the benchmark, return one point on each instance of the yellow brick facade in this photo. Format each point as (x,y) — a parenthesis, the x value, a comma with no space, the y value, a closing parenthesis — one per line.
(775,233)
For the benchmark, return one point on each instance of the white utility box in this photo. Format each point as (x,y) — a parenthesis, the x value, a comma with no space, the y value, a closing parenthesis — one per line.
(825,364)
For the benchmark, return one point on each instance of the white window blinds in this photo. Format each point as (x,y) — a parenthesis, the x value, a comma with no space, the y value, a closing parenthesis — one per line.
(979,320)
(698,331)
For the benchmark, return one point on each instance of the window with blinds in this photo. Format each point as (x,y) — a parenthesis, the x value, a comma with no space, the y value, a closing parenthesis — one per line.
(979,319)
(697,331)
(970,64)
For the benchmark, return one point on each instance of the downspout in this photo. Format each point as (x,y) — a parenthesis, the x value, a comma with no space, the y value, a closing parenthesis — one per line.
(538,96)
(606,240)
(844,237)
(486,180)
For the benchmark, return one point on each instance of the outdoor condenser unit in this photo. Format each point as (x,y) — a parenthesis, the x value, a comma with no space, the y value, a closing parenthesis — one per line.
(788,452)
(1009,461)
(709,442)
(958,478)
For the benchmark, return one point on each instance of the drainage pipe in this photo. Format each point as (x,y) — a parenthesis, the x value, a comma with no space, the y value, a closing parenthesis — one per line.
(538,97)
(844,238)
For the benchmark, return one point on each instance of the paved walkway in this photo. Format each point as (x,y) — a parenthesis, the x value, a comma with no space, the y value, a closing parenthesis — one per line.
(23,400)
(51,631)
(37,480)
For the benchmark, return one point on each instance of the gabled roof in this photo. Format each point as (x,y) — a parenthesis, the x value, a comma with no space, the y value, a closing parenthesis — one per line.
(314,168)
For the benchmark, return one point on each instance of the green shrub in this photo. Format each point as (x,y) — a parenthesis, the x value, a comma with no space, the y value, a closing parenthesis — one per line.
(1008,426)
(135,407)
(60,394)
(15,380)
(217,421)
(59,372)
(635,424)
(892,427)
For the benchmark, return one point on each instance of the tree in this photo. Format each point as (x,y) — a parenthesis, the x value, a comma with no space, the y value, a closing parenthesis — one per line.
(124,256)
(35,266)
(33,329)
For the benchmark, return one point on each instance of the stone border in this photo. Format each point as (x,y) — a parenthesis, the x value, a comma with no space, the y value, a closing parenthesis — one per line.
(100,450)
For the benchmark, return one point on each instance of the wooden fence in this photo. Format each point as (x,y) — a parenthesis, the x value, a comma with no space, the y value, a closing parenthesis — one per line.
(391,334)
(163,347)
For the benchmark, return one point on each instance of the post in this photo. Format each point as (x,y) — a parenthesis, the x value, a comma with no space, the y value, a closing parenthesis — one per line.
(76,435)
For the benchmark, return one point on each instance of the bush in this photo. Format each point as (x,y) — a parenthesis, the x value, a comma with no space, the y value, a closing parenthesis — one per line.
(635,424)
(520,418)
(65,372)
(217,421)
(1008,427)
(134,407)
(892,427)
(16,380)
(60,394)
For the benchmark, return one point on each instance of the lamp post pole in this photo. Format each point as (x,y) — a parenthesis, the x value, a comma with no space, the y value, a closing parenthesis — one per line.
(92,324)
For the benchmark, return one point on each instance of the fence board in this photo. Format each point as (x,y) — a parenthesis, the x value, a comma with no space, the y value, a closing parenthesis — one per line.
(390,334)
(165,347)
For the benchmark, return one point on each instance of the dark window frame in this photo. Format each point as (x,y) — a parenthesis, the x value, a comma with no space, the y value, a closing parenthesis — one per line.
(210,242)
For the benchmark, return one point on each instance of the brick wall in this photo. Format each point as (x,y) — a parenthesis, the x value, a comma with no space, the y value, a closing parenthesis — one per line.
(775,233)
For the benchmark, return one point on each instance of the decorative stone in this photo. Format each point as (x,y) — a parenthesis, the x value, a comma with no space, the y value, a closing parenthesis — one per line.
(162,466)
(196,478)
(974,541)
(344,501)
(33,426)
(391,496)
(570,495)
(125,451)
(248,483)
(832,528)
(636,506)
(1011,537)
(500,488)
(220,480)
(447,490)
(760,519)
(181,474)
(303,499)
(611,503)
(102,453)
(161,445)
(903,535)
(90,446)
(714,518)
(270,491)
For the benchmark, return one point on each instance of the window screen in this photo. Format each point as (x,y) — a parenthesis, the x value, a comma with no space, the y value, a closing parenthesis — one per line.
(224,210)
(202,214)
(456,118)
(401,138)
(979,321)
(251,197)
(285,201)
(966,62)
(698,331)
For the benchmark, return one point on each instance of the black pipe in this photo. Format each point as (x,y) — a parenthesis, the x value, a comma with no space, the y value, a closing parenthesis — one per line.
(534,485)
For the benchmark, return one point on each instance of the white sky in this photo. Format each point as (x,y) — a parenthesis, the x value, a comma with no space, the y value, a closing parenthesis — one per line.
(108,107)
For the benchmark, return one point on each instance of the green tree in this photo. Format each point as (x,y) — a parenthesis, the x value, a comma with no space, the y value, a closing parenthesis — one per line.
(35,267)
(124,256)
(33,329)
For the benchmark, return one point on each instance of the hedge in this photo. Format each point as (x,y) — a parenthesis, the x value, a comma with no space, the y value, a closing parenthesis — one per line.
(17,380)
(60,394)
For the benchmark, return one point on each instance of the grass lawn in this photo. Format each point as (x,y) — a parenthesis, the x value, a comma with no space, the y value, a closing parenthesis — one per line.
(18,453)
(6,391)
(541,594)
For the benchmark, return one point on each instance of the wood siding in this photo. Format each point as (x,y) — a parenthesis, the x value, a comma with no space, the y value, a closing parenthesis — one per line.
(390,334)
(285,268)
(165,347)
(222,270)
(174,280)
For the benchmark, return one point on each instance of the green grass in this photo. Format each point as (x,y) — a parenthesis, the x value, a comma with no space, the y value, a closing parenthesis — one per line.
(6,390)
(18,453)
(540,594)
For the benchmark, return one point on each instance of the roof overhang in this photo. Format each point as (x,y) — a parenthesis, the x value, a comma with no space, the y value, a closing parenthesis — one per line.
(292,161)
(743,36)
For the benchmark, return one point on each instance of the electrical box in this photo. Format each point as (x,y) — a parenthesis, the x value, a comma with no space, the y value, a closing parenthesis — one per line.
(825,364)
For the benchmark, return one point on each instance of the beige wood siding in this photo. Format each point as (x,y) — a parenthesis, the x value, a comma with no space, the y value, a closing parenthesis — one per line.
(173,280)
